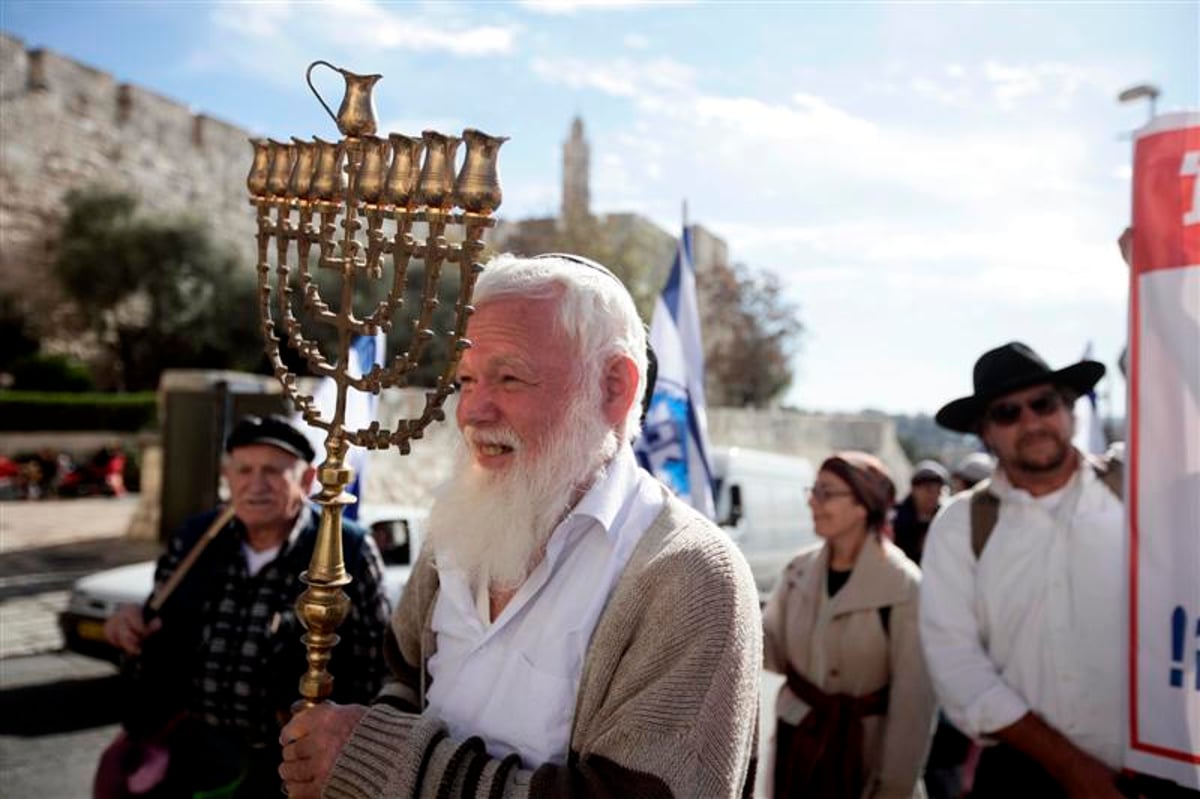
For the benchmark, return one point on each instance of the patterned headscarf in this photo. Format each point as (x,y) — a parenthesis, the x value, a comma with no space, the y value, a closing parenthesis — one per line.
(868,478)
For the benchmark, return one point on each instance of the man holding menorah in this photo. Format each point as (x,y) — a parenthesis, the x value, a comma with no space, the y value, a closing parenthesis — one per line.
(570,628)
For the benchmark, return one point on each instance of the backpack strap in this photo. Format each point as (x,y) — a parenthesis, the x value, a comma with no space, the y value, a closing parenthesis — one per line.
(985,506)
(985,510)
(1111,471)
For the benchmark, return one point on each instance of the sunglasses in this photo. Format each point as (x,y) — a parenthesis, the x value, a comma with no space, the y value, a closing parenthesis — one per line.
(823,494)
(1004,414)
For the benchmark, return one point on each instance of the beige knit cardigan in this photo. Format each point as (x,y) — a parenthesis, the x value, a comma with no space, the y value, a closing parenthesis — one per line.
(667,703)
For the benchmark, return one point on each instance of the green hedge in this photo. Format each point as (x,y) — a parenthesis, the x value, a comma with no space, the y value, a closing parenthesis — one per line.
(45,410)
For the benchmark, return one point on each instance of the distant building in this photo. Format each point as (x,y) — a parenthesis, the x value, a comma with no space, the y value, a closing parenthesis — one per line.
(576,173)
(620,232)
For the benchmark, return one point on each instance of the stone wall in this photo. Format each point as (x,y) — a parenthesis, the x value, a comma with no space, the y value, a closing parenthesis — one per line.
(810,435)
(64,126)
(411,479)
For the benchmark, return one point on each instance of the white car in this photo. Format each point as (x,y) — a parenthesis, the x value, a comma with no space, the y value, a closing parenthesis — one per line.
(397,530)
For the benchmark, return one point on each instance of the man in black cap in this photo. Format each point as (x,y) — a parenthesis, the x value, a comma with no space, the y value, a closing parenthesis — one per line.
(222,658)
(1021,601)
(912,515)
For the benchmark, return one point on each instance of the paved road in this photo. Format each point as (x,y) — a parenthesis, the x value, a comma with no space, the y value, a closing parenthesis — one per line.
(57,713)
(57,709)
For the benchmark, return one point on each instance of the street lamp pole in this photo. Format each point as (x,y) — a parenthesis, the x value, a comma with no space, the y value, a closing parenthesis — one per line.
(1140,91)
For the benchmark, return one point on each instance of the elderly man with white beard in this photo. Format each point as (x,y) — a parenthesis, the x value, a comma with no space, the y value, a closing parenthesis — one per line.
(570,628)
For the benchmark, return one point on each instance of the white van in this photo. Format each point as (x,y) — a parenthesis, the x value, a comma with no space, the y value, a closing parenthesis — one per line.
(761,503)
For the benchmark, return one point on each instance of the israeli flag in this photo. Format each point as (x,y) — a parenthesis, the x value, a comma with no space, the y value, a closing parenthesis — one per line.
(674,441)
(361,410)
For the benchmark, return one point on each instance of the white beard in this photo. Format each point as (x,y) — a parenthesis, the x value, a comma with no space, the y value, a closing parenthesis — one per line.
(495,525)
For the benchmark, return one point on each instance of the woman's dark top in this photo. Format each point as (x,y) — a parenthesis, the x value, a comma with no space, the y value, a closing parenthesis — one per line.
(836,579)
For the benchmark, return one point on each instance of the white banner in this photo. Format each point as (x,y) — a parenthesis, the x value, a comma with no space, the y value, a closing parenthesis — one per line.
(1163,502)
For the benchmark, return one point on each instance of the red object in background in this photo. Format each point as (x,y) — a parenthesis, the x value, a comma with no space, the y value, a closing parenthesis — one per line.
(114,474)
(103,475)
(8,467)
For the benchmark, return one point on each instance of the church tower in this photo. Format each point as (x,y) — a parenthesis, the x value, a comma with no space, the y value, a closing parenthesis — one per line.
(576,157)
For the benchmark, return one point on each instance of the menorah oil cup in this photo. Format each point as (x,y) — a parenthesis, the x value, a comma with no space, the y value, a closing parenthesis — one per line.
(436,185)
(401,186)
(478,186)
(327,180)
(356,115)
(281,168)
(303,169)
(260,167)
(368,181)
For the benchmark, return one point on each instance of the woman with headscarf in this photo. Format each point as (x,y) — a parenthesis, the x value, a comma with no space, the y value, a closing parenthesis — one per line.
(855,716)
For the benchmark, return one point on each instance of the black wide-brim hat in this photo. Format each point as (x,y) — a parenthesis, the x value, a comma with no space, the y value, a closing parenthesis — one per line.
(1009,368)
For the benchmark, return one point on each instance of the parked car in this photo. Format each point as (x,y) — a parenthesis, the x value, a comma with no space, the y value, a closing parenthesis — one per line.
(397,529)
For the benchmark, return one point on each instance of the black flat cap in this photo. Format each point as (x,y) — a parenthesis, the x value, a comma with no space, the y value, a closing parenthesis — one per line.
(275,430)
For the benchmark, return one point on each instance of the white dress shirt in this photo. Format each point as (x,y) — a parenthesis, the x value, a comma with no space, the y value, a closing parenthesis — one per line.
(513,682)
(1039,621)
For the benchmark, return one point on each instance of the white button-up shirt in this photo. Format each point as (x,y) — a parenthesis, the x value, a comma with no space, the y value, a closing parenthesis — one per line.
(1038,622)
(513,682)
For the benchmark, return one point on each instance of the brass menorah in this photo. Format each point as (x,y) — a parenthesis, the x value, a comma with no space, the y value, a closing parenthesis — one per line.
(301,199)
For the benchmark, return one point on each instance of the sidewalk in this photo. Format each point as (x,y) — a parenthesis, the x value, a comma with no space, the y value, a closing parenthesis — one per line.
(44,547)
(30,524)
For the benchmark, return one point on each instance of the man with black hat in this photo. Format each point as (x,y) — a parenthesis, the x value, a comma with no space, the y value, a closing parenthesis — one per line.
(1021,603)
(222,658)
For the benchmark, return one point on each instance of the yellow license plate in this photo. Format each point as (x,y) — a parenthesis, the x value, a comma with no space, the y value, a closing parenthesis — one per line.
(90,629)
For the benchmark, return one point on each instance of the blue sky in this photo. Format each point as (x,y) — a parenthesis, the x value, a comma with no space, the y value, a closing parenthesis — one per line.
(928,180)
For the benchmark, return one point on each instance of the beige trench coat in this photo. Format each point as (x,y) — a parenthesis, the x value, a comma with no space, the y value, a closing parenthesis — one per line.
(841,646)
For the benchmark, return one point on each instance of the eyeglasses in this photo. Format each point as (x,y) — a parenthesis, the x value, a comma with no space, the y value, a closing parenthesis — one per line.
(1004,414)
(823,494)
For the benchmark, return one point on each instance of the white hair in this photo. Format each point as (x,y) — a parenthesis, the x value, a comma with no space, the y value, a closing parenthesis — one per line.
(594,311)
(494,525)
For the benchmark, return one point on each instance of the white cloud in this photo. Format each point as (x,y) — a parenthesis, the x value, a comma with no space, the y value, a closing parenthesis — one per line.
(636,41)
(270,39)
(1058,82)
(568,7)
(644,81)
(931,89)
(960,225)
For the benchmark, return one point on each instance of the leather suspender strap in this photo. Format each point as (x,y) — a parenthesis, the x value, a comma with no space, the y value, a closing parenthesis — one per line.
(189,560)
(985,510)
(985,506)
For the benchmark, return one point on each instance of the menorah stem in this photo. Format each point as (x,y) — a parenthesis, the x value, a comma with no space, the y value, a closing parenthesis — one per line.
(324,605)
